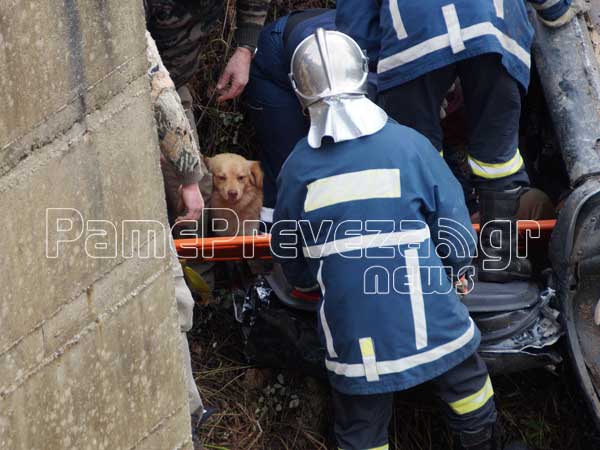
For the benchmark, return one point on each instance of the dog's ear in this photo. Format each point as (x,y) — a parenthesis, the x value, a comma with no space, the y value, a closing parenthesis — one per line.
(207,160)
(256,174)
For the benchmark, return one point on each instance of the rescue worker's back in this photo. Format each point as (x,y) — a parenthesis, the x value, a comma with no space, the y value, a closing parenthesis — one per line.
(362,203)
(371,210)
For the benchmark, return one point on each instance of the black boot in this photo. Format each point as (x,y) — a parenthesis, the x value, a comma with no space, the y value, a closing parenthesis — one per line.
(483,439)
(498,239)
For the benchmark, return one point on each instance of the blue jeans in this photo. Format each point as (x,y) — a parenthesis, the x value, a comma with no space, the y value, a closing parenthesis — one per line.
(273,108)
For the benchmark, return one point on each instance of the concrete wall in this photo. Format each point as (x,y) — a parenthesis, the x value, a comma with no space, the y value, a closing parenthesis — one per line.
(89,353)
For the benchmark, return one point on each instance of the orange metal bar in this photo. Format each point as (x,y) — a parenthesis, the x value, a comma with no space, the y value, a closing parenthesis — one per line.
(258,247)
(225,248)
(545,226)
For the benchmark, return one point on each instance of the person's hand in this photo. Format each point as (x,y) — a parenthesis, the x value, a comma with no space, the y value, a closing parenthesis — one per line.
(192,201)
(236,74)
(461,285)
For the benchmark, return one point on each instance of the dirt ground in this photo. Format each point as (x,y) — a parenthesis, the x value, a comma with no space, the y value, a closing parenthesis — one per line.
(278,409)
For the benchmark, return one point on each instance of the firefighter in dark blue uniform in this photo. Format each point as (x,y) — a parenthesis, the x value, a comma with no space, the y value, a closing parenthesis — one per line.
(364,203)
(421,48)
(273,107)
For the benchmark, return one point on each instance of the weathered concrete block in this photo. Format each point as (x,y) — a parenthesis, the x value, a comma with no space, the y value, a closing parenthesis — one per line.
(118,382)
(96,300)
(168,434)
(106,170)
(89,343)
(66,59)
(21,358)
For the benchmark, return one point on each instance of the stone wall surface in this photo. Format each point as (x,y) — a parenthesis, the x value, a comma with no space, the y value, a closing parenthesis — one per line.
(89,346)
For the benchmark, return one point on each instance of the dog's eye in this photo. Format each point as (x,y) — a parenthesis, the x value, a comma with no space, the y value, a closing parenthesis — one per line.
(241,178)
(221,178)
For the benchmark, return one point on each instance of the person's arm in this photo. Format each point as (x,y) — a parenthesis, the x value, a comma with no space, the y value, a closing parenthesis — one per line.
(251,16)
(176,141)
(286,246)
(286,238)
(359,19)
(557,13)
(446,211)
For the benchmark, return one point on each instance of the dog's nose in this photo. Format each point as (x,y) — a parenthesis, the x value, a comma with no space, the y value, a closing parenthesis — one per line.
(232,195)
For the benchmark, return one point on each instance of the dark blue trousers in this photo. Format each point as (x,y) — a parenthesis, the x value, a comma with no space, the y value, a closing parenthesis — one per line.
(465,391)
(493,109)
(273,108)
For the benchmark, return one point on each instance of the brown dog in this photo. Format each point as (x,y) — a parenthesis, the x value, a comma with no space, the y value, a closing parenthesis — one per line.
(237,194)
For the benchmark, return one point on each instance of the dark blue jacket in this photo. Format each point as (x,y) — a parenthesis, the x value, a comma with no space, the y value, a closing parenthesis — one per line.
(273,54)
(365,217)
(410,38)
(269,73)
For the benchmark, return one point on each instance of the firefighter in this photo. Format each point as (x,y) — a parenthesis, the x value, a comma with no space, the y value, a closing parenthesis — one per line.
(360,204)
(273,107)
(421,48)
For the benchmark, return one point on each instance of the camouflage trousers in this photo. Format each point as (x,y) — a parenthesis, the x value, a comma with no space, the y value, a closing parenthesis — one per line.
(185,315)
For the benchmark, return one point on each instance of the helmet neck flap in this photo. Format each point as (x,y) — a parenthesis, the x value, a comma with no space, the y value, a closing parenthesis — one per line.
(329,76)
(343,118)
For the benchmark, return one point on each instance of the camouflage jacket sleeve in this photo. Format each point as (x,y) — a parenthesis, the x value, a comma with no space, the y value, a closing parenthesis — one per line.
(174,133)
(251,16)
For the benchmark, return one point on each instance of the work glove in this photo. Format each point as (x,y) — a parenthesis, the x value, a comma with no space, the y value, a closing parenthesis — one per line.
(577,7)
(460,281)
(461,286)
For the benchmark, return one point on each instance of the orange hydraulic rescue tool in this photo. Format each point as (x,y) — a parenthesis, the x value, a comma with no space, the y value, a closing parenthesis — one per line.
(258,247)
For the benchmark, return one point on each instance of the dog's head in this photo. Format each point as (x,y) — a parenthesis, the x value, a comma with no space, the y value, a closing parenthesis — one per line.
(233,175)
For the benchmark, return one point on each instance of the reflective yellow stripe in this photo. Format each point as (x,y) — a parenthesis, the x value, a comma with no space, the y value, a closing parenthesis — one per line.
(366,347)
(441,152)
(498,170)
(475,401)
(367,351)
(383,447)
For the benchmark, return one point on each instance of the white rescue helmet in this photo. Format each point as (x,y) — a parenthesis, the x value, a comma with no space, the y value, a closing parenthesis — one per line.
(329,75)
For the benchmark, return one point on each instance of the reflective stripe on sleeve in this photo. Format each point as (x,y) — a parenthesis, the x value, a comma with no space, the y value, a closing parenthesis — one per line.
(413,273)
(367,351)
(474,401)
(397,20)
(499,170)
(326,330)
(443,41)
(499,7)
